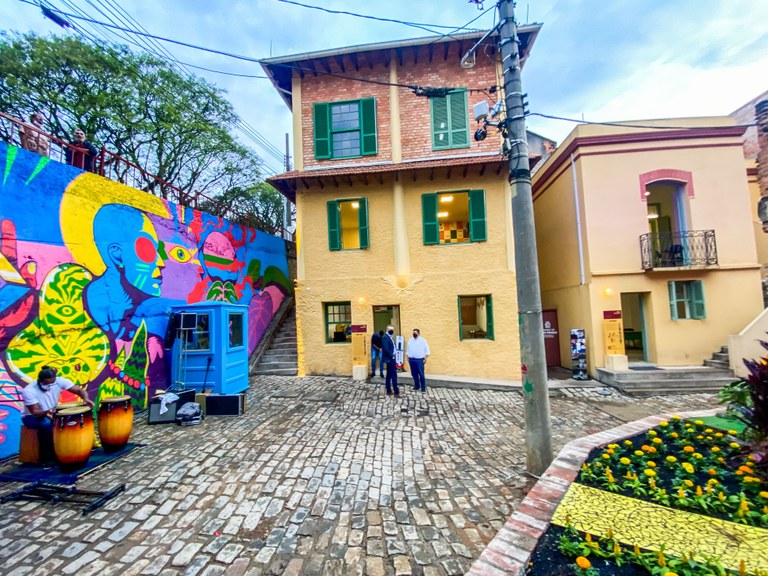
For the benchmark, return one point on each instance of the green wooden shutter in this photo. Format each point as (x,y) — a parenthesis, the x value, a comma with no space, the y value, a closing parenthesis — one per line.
(459,119)
(672,300)
(368,144)
(489,316)
(461,332)
(441,137)
(429,219)
(322,121)
(697,299)
(477,227)
(334,226)
(362,219)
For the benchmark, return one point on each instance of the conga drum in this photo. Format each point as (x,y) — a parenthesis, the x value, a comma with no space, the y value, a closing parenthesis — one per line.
(115,422)
(73,436)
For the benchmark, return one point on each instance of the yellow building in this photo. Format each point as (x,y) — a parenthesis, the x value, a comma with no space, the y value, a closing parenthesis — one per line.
(653,227)
(402,217)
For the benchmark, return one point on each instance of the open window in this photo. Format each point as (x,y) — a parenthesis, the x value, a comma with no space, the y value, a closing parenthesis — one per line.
(453,217)
(476,317)
(348,224)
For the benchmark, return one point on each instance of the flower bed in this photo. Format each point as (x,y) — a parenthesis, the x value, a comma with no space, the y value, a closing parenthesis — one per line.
(683,498)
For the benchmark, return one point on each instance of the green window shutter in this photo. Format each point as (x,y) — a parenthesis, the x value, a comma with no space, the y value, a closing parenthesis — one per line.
(459,119)
(441,137)
(322,121)
(477,227)
(697,299)
(489,316)
(429,219)
(461,332)
(362,216)
(368,143)
(334,226)
(672,300)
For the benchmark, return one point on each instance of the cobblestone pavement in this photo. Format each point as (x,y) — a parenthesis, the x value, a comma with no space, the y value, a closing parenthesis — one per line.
(320,476)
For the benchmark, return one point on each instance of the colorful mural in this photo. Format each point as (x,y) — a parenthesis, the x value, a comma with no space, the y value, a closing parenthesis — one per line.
(89,269)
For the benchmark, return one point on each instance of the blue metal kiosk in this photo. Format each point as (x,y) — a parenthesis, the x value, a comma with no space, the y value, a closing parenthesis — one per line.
(210,350)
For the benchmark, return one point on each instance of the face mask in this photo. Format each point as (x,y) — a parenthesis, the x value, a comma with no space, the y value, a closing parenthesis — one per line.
(415,334)
(390,332)
(44,387)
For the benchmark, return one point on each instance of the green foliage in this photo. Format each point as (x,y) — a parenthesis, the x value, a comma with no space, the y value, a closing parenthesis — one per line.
(176,127)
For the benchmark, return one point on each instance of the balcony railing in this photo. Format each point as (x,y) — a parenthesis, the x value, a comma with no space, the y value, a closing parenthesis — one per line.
(114,167)
(692,249)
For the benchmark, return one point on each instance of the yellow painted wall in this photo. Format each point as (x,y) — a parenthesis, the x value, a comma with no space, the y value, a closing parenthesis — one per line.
(428,296)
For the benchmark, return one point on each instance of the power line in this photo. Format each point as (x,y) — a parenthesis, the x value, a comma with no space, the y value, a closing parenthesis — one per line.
(625,124)
(420,25)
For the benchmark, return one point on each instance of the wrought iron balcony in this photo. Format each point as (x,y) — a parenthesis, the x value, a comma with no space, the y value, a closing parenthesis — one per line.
(692,249)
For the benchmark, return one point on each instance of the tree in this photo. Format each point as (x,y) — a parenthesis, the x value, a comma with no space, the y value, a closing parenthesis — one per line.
(176,127)
(263,205)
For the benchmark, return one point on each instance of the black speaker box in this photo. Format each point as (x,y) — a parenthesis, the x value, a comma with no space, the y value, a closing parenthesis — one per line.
(154,416)
(224,404)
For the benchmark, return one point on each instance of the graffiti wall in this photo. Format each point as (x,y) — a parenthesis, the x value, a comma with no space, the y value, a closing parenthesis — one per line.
(89,270)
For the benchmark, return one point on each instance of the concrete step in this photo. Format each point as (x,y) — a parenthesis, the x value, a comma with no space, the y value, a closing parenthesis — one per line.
(718,364)
(664,387)
(284,339)
(690,373)
(279,355)
(286,364)
(263,371)
(721,357)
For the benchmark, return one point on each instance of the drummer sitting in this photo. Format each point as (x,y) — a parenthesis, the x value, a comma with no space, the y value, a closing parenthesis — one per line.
(40,399)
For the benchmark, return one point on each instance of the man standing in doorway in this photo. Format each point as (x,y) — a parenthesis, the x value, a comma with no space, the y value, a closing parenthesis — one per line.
(388,356)
(417,351)
(376,353)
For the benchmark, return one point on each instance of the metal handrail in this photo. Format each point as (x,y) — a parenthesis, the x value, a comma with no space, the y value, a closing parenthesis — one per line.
(114,167)
(691,248)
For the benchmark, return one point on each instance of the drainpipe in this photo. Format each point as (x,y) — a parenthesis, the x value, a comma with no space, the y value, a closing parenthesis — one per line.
(578,220)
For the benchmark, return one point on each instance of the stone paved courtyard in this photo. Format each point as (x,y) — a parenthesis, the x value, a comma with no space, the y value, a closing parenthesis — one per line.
(320,476)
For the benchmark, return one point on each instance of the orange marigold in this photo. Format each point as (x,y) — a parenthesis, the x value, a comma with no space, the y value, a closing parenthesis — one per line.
(583,563)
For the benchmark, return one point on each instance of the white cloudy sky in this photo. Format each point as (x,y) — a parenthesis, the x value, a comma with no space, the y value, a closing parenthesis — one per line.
(619,60)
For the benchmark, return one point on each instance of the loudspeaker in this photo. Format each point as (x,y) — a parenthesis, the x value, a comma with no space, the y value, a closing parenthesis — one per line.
(224,404)
(188,320)
(154,416)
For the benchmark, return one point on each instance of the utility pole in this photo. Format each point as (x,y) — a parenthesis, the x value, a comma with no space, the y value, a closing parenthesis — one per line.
(538,431)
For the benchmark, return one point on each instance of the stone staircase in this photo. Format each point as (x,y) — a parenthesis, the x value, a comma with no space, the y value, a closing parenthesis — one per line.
(719,360)
(648,380)
(281,357)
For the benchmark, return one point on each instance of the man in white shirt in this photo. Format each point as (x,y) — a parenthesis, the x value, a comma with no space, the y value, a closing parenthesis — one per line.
(40,400)
(417,351)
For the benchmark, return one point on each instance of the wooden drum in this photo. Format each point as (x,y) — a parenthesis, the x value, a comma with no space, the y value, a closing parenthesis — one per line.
(73,436)
(115,422)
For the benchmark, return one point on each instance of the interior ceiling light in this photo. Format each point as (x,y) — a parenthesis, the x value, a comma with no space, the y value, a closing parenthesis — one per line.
(355,204)
(446,198)
(652,216)
(442,214)
(647,193)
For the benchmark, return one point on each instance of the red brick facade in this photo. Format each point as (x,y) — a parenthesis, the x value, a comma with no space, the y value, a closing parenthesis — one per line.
(422,66)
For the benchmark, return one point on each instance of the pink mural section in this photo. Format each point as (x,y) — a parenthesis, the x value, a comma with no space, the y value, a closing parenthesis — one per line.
(89,271)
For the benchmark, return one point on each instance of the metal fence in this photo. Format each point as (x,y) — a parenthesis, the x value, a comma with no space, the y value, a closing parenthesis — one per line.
(692,248)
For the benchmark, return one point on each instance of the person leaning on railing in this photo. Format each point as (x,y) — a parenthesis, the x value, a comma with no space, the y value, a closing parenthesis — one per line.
(81,153)
(32,136)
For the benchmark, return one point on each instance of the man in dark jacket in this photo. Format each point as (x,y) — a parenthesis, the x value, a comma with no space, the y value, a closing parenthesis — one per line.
(388,354)
(81,153)
(376,353)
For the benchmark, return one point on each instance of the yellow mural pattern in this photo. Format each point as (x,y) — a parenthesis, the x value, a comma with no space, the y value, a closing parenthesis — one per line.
(649,526)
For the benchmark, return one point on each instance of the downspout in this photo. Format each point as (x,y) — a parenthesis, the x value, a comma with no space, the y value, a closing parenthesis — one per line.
(578,220)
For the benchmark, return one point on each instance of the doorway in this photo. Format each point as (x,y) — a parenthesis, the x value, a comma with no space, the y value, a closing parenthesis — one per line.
(635,325)
(551,338)
(385,315)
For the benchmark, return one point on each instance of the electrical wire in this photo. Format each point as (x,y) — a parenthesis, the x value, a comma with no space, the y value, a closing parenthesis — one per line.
(625,124)
(420,25)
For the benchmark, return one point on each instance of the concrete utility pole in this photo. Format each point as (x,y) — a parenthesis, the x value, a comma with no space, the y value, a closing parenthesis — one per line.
(538,431)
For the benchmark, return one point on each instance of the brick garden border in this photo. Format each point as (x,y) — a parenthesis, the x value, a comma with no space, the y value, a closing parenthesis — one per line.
(510,550)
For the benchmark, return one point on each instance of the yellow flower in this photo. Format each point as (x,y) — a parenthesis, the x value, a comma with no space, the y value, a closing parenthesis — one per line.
(719,435)
(699,491)
(749,463)
(742,568)
(674,435)
(720,459)
(650,473)
(697,456)
(708,431)
(712,482)
(613,446)
(626,461)
(657,441)
(764,494)
(636,550)
(652,483)
(627,442)
(698,423)
(660,560)
(639,453)
(732,432)
(715,449)
(671,459)
(616,548)
(688,483)
(664,424)
(652,433)
(680,493)
(675,417)
(650,464)
(606,456)
(584,467)
(721,496)
(688,467)
(688,449)
(583,563)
